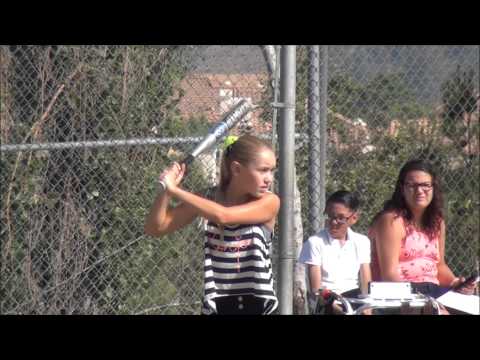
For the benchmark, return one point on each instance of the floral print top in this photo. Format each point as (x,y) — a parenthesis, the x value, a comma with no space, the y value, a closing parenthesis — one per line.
(419,257)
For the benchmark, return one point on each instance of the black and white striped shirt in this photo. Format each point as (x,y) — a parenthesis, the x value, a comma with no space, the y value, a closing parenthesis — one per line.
(237,262)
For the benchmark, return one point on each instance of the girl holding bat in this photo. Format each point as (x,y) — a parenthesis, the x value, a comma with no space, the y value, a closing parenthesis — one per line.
(239,220)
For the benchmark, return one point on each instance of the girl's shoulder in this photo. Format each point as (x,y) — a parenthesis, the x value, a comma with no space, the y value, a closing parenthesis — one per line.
(274,200)
(390,216)
(389,220)
(271,204)
(271,195)
(268,196)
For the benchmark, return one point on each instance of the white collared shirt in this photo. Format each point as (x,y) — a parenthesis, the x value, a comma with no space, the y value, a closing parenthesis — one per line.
(339,264)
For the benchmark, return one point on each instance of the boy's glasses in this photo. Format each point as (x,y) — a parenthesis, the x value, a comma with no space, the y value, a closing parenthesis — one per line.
(339,219)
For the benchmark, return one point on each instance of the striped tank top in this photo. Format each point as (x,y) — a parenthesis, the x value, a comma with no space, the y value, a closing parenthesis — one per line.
(237,262)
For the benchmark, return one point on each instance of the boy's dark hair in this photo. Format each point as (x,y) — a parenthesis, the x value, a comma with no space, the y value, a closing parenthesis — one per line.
(346,198)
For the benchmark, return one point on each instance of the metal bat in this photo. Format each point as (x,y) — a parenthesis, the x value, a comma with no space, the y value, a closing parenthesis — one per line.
(217,132)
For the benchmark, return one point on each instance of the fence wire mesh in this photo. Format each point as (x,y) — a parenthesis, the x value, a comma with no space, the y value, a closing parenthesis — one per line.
(388,104)
(100,122)
(85,131)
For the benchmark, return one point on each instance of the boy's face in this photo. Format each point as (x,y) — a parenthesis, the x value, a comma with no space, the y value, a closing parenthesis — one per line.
(339,219)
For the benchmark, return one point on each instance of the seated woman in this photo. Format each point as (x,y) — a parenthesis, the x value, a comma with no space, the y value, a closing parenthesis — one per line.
(338,258)
(408,235)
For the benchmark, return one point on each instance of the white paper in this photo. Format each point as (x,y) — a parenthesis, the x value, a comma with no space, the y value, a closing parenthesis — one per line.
(390,290)
(467,303)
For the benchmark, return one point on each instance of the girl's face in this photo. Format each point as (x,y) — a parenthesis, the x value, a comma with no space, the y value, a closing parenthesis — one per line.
(418,189)
(339,219)
(257,176)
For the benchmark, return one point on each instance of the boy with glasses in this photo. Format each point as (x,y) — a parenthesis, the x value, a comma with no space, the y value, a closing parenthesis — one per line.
(338,258)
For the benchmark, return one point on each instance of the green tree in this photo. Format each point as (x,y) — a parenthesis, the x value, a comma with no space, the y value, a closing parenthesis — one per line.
(459,101)
(75,217)
(463,210)
(378,101)
(372,172)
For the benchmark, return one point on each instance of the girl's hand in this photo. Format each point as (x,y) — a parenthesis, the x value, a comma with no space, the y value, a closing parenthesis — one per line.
(172,176)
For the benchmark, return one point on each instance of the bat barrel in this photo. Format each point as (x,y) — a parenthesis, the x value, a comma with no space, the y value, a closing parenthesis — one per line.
(216,133)
(237,113)
(222,128)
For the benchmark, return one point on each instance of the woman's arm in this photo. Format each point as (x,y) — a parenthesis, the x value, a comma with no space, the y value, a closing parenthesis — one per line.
(445,275)
(389,234)
(365,278)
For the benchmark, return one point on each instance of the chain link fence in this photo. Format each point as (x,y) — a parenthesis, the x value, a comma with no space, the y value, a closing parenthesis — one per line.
(386,105)
(85,131)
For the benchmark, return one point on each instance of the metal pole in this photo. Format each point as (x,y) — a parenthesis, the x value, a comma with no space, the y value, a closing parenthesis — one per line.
(272,57)
(315,189)
(98,144)
(114,143)
(323,129)
(286,182)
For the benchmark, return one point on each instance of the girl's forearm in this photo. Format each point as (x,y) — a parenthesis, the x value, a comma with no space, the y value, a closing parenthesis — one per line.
(206,208)
(157,215)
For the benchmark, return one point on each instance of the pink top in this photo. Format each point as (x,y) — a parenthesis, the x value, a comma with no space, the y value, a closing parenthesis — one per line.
(418,260)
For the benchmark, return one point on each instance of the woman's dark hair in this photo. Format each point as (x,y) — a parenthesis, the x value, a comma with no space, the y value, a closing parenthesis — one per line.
(434,213)
(346,198)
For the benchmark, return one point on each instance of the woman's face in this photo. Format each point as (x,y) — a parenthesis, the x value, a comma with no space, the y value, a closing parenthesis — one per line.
(339,218)
(418,189)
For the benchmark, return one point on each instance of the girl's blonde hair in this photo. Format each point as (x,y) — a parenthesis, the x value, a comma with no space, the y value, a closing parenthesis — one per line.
(244,150)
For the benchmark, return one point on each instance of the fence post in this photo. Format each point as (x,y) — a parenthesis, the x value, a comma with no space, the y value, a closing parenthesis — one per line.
(315,172)
(286,182)
(323,97)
